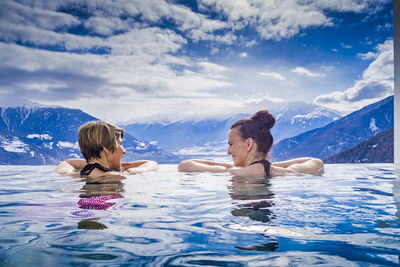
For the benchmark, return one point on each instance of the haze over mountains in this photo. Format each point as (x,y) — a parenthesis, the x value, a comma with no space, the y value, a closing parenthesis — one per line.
(45,135)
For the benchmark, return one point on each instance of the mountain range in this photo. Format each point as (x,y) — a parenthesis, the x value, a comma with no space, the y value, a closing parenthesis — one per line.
(377,149)
(210,136)
(45,135)
(339,135)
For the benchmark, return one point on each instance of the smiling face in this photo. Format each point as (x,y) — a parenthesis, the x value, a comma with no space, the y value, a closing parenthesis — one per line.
(238,148)
(114,158)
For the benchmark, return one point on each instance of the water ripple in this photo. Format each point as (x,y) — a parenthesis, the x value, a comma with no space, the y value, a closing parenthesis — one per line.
(348,217)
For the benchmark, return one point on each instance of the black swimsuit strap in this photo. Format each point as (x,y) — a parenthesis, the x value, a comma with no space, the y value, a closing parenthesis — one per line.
(90,167)
(267,166)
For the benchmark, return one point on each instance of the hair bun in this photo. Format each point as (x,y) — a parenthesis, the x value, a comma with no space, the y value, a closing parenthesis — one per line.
(265,117)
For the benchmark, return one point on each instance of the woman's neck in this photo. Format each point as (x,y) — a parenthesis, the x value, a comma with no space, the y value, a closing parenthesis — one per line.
(101,161)
(254,157)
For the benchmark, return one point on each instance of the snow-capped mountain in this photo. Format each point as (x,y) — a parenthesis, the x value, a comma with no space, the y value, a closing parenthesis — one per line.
(187,137)
(298,117)
(48,135)
(340,134)
(209,136)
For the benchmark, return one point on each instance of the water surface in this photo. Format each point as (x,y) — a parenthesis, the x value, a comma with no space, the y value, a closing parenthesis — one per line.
(348,217)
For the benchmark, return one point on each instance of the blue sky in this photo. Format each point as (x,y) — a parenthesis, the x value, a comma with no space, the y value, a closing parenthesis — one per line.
(158,60)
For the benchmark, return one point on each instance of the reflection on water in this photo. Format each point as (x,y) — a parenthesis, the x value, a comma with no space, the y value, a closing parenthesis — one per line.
(347,217)
(101,189)
(396,194)
(91,224)
(255,202)
(255,195)
(271,246)
(97,195)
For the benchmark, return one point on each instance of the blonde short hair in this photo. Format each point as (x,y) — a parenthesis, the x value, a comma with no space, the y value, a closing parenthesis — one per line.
(94,135)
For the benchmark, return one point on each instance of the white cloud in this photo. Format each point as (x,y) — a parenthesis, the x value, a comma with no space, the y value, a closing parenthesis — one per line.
(376,82)
(153,42)
(140,68)
(212,68)
(43,86)
(284,19)
(44,37)
(145,66)
(387,26)
(274,75)
(158,108)
(306,72)
(367,56)
(265,100)
(32,22)
(251,43)
(346,46)
(252,105)
(243,55)
(106,26)
(271,19)
(16,13)
(214,51)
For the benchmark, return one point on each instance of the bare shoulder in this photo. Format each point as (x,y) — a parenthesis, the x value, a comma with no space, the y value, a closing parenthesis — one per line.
(279,171)
(256,170)
(66,169)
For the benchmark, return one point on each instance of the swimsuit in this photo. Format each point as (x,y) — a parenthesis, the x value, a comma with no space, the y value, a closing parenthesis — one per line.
(267,166)
(97,202)
(90,167)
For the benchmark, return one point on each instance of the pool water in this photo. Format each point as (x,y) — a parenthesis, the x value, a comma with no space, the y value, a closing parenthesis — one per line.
(350,216)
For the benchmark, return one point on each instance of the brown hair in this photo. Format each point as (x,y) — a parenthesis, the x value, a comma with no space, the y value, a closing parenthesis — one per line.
(94,135)
(258,127)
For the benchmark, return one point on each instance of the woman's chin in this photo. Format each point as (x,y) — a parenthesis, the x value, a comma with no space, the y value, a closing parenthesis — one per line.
(237,164)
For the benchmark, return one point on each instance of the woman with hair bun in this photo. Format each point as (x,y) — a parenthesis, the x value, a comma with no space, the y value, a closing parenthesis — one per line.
(250,140)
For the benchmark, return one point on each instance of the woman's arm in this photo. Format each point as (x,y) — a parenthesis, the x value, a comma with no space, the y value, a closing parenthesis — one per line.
(299,165)
(70,166)
(77,163)
(198,165)
(140,166)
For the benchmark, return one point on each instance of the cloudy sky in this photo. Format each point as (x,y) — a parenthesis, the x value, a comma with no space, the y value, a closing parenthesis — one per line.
(156,59)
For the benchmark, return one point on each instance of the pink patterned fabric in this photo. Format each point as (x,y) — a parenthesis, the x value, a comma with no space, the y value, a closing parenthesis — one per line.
(97,202)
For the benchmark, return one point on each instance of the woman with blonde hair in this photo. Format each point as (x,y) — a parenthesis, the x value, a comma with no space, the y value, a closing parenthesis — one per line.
(101,146)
